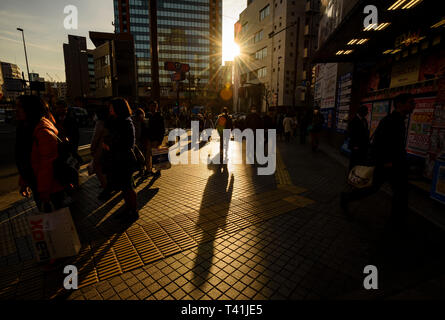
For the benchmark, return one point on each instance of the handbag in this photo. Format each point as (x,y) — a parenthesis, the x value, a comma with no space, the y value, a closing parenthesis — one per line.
(361,176)
(65,166)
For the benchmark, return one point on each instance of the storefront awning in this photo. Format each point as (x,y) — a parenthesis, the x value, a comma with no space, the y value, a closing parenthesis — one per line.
(350,42)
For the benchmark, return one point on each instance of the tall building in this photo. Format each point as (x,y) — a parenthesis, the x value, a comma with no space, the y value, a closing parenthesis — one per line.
(270,36)
(114,65)
(92,79)
(11,83)
(312,22)
(189,31)
(76,67)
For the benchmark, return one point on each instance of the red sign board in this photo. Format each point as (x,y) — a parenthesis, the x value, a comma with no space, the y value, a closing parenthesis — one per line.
(176,66)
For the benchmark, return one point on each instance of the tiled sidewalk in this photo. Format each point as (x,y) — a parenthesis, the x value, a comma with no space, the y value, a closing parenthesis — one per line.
(207,234)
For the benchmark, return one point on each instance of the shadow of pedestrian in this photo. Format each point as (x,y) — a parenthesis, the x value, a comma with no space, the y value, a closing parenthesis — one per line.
(219,189)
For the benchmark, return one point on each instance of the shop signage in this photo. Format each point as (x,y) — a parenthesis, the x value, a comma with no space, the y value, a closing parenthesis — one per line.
(405,72)
(380,110)
(419,128)
(343,102)
(326,84)
(407,39)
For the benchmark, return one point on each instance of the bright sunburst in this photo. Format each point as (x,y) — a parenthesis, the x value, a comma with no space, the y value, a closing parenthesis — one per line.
(230,50)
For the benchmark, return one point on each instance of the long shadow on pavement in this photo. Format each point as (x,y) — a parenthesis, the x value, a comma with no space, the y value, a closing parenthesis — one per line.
(219,183)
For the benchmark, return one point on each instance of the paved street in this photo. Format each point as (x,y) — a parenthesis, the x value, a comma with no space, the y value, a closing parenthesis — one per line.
(204,233)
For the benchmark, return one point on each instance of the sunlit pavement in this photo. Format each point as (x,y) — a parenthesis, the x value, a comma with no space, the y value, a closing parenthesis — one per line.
(207,232)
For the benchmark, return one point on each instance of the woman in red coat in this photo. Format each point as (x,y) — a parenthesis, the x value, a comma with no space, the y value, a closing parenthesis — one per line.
(34,114)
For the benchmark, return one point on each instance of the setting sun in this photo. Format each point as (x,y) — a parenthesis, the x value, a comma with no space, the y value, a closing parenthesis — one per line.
(230,50)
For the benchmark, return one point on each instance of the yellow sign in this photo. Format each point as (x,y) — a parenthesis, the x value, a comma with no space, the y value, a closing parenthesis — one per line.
(405,72)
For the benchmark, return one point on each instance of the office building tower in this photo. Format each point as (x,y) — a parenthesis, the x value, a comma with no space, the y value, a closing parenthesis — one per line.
(189,31)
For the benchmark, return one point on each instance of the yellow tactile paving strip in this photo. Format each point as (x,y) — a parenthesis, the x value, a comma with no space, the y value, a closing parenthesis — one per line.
(282,176)
(147,243)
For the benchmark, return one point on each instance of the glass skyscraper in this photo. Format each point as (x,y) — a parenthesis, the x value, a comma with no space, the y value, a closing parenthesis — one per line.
(189,31)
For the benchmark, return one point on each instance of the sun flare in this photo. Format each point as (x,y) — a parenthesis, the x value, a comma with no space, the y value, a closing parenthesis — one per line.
(230,50)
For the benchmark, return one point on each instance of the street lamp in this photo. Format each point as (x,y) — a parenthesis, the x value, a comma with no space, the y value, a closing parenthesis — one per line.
(80,73)
(26,55)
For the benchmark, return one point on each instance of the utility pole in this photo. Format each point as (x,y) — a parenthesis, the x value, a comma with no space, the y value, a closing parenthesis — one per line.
(26,56)
(155,87)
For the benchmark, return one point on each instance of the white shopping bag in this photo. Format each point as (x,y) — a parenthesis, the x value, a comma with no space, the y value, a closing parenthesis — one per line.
(54,235)
(160,159)
(361,176)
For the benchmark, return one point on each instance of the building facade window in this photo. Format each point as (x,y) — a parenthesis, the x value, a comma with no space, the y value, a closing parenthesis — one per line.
(261,54)
(264,12)
(262,72)
(258,36)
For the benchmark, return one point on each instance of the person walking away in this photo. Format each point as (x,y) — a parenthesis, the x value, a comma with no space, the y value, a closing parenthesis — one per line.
(120,144)
(358,133)
(254,122)
(68,127)
(294,125)
(155,135)
(208,123)
(287,125)
(268,124)
(316,127)
(303,123)
(279,124)
(388,149)
(140,128)
(223,122)
(97,151)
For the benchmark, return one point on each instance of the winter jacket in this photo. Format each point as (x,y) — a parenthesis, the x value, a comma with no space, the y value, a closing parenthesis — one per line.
(44,152)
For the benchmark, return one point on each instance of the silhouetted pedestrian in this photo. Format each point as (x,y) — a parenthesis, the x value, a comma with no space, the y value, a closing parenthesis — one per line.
(120,143)
(358,134)
(388,149)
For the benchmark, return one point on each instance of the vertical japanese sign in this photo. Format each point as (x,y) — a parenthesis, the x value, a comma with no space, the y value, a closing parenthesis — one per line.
(343,102)
(437,140)
(328,86)
(419,128)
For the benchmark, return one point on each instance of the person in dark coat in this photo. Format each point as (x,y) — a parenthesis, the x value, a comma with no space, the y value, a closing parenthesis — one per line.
(358,133)
(388,149)
(279,125)
(154,136)
(254,122)
(68,127)
(120,143)
(26,107)
(316,127)
(303,123)
(268,124)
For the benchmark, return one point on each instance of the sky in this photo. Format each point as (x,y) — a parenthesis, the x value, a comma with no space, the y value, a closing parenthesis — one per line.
(42,21)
